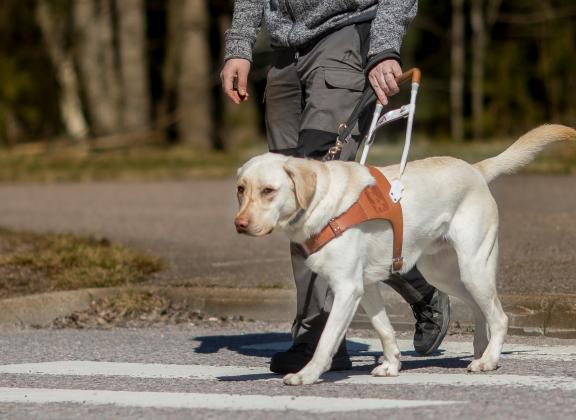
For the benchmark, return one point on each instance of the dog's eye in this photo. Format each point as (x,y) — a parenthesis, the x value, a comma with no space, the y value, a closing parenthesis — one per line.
(268,191)
(240,189)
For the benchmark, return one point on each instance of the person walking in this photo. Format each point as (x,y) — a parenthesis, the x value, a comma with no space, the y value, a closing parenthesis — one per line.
(325,54)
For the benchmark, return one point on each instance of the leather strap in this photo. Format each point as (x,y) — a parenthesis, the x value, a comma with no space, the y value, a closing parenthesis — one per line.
(345,129)
(374,203)
(367,99)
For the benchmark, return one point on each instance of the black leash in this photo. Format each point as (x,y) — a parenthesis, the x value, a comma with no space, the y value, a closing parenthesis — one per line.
(345,129)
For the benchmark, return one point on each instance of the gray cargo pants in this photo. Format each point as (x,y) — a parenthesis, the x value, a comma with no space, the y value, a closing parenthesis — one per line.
(309,92)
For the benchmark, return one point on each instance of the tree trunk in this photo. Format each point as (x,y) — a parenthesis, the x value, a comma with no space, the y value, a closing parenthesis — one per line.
(478,49)
(95,55)
(70,104)
(13,131)
(482,24)
(546,66)
(166,106)
(109,64)
(133,64)
(189,74)
(457,72)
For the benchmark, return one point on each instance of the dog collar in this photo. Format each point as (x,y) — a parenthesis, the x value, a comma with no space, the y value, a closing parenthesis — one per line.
(296,218)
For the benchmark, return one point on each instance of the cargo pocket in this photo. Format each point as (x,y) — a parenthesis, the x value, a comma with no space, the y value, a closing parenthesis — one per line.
(337,78)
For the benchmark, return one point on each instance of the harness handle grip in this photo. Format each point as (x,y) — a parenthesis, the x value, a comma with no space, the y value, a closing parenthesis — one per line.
(369,97)
(413,74)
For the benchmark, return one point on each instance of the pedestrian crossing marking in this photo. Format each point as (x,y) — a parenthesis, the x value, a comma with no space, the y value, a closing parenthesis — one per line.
(207,401)
(137,370)
(261,374)
(238,373)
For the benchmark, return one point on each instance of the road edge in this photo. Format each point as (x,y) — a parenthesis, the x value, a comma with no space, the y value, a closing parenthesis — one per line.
(552,315)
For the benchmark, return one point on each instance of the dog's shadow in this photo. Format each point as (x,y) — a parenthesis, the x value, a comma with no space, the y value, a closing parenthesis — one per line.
(266,344)
(257,345)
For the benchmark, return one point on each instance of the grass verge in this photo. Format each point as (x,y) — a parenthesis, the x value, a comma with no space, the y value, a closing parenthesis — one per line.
(162,163)
(140,163)
(556,159)
(37,263)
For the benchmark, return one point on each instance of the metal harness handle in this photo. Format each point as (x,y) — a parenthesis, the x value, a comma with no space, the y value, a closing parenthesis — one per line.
(345,129)
(406,111)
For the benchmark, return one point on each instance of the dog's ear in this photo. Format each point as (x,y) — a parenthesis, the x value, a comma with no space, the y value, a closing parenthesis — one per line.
(302,172)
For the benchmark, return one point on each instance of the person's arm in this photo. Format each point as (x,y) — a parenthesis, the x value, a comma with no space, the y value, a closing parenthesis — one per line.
(386,35)
(239,42)
(241,37)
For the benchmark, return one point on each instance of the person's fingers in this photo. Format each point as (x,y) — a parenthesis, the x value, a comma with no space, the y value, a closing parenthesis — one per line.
(377,89)
(391,82)
(381,76)
(227,77)
(242,84)
(396,69)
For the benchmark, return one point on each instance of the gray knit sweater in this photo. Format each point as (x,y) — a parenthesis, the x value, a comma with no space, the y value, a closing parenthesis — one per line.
(295,23)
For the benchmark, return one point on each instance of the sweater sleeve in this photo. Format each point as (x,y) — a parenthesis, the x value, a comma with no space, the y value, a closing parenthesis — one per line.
(389,27)
(241,37)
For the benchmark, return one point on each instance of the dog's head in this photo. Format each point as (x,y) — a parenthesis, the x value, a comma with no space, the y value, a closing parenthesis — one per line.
(271,188)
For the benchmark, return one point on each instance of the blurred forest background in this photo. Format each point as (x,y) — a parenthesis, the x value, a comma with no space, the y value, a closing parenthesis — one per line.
(147,71)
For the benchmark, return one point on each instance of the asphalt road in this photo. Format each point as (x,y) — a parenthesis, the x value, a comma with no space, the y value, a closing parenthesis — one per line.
(190,224)
(221,371)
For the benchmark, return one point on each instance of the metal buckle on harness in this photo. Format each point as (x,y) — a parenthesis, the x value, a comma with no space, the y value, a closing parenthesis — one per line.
(335,150)
(335,227)
(397,264)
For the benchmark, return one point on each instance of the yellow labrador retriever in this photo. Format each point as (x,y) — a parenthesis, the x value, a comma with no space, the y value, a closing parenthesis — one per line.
(450,230)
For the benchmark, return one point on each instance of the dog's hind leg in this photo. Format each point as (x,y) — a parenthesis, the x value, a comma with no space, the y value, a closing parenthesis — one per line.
(374,306)
(441,270)
(481,335)
(475,239)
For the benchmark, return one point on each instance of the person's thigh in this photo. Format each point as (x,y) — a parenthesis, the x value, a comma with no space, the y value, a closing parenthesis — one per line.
(283,101)
(333,80)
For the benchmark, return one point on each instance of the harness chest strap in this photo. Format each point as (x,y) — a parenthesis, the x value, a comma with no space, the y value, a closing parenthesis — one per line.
(374,203)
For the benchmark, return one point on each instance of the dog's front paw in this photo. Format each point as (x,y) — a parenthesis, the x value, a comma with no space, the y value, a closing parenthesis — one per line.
(299,379)
(480,365)
(386,369)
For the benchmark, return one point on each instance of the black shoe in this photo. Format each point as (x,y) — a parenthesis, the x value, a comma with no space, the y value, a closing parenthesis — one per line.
(432,319)
(297,356)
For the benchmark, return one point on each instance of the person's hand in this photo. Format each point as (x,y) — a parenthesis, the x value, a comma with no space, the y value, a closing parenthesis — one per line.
(383,79)
(235,68)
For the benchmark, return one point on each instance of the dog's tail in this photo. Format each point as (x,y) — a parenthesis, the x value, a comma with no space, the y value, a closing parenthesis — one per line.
(524,150)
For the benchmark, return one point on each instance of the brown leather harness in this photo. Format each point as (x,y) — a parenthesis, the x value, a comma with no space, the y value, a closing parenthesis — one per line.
(374,203)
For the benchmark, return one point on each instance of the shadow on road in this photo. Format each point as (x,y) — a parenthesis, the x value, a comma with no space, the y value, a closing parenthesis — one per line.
(266,344)
(262,344)
(259,345)
(447,363)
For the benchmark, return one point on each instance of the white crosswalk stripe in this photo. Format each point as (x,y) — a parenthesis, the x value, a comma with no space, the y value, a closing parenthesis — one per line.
(311,404)
(207,401)
(237,373)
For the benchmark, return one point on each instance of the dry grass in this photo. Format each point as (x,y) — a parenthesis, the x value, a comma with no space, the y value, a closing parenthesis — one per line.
(557,159)
(138,309)
(36,263)
(140,163)
(155,162)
